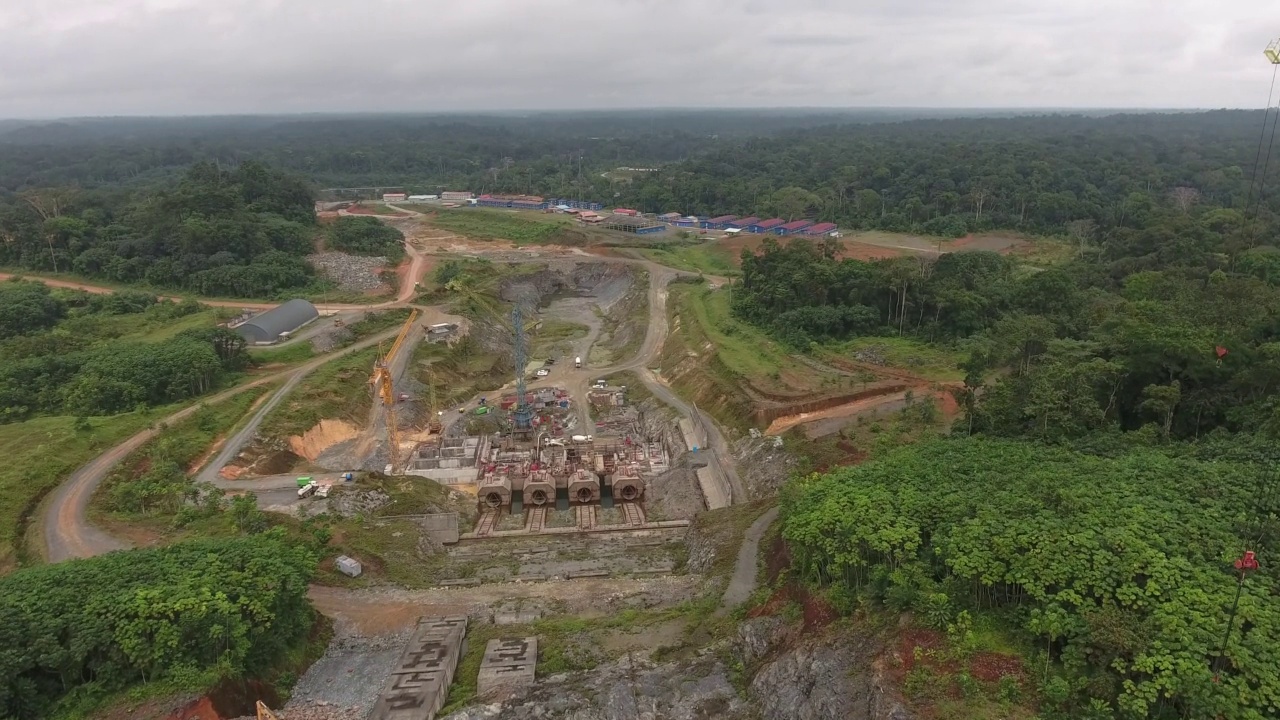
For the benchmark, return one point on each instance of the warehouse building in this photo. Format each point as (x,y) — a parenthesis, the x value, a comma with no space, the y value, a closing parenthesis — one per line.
(577,204)
(636,225)
(792,228)
(515,202)
(821,230)
(742,223)
(764,226)
(669,217)
(718,223)
(277,323)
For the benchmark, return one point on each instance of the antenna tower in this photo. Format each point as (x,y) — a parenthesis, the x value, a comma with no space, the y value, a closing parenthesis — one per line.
(523,415)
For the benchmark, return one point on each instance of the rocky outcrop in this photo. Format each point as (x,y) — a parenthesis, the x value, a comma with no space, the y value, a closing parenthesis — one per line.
(833,677)
(628,689)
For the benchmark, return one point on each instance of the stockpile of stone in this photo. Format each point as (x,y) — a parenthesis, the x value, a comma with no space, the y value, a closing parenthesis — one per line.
(351,272)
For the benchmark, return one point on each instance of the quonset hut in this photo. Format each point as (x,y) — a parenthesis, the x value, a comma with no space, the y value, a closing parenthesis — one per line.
(267,327)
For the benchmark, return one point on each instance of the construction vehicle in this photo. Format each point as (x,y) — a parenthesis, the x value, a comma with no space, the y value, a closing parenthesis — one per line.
(264,712)
(383,386)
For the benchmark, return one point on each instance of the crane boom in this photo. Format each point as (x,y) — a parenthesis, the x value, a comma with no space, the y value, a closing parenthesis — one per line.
(384,386)
(264,712)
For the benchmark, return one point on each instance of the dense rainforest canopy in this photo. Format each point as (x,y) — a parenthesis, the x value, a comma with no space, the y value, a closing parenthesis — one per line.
(240,233)
(147,615)
(64,353)
(1120,568)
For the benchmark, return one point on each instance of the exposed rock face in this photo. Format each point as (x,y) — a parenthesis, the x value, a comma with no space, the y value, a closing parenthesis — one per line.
(626,690)
(835,677)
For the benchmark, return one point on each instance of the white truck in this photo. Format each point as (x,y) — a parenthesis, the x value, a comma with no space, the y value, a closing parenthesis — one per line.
(577,362)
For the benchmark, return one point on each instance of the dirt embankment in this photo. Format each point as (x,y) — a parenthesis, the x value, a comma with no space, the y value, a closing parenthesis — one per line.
(324,435)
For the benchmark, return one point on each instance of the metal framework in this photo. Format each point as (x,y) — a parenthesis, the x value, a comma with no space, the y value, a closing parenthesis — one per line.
(522,416)
(384,385)
(1273,52)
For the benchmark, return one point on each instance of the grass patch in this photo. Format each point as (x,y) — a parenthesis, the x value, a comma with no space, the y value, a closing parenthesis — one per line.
(519,228)
(373,323)
(459,371)
(930,361)
(743,349)
(723,530)
(555,337)
(298,352)
(186,444)
(375,208)
(706,258)
(337,389)
(39,454)
(1046,252)
(386,543)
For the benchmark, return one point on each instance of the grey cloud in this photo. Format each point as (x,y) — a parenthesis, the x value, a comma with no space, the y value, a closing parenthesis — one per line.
(85,57)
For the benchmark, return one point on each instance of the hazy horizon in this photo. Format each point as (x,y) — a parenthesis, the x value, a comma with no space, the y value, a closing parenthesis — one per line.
(183,58)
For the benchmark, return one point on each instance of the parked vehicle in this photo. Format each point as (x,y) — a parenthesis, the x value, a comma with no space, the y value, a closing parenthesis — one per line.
(304,481)
(543,372)
(577,362)
(323,491)
(306,490)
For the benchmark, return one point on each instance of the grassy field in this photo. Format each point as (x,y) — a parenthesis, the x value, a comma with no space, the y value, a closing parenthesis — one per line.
(297,352)
(520,228)
(185,443)
(744,349)
(460,370)
(555,337)
(377,208)
(707,258)
(385,544)
(933,362)
(40,453)
(338,389)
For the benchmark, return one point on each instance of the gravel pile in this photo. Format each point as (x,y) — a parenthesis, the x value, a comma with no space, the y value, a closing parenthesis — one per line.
(352,272)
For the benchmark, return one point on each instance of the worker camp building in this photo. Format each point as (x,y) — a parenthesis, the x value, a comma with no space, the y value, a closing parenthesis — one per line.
(277,323)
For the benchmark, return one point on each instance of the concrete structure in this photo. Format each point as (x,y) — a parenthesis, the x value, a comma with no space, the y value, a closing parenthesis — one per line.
(539,489)
(495,487)
(269,326)
(627,484)
(456,195)
(441,527)
(419,683)
(508,665)
(765,226)
(348,566)
(584,486)
(792,228)
(820,230)
(394,197)
(451,460)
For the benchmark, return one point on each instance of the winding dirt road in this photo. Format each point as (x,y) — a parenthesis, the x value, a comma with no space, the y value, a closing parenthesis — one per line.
(67,531)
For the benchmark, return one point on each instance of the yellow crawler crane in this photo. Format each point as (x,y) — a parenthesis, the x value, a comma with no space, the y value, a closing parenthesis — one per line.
(382,384)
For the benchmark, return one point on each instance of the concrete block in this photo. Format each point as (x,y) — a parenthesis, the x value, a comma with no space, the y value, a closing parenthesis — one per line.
(348,566)
(508,665)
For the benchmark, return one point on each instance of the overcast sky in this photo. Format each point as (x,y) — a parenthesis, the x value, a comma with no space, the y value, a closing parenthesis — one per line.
(189,57)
